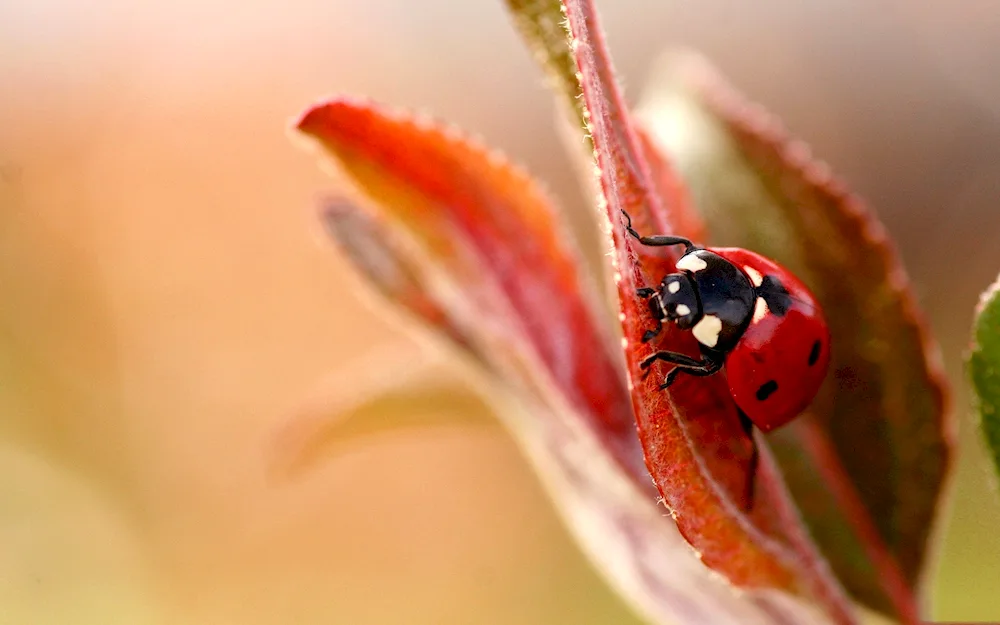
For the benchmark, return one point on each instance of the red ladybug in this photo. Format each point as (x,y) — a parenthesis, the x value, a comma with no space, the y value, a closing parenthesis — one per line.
(749,314)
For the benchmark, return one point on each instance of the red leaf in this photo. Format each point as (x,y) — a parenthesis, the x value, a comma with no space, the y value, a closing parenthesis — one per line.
(494,231)
(685,459)
(868,464)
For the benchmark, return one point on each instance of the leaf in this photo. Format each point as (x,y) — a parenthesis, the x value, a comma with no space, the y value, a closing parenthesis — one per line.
(512,269)
(382,255)
(483,245)
(543,26)
(868,464)
(691,434)
(385,392)
(984,367)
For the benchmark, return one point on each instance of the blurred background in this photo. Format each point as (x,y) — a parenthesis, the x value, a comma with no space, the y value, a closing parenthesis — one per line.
(169,302)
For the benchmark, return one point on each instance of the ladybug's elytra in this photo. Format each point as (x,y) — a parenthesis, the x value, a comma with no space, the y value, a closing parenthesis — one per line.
(749,314)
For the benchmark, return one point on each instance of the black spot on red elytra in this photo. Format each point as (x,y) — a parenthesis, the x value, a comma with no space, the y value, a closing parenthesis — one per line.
(766,390)
(814,353)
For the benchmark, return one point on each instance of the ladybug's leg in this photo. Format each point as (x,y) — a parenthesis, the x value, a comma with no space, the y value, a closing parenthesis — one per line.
(656,310)
(649,335)
(682,364)
(754,459)
(708,368)
(671,357)
(659,240)
(662,239)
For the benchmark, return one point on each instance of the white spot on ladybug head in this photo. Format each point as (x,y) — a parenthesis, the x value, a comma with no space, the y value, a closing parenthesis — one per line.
(755,276)
(759,310)
(707,330)
(682,310)
(691,262)
(673,286)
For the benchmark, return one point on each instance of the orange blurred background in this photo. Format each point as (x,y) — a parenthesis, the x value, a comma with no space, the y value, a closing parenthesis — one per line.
(169,300)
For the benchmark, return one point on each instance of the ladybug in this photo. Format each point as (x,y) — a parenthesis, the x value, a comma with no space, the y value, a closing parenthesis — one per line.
(747,313)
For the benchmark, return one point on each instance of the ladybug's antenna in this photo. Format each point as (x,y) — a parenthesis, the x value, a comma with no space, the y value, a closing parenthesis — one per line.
(658,240)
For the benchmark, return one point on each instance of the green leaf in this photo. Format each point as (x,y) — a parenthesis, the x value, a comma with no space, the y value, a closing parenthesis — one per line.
(984,368)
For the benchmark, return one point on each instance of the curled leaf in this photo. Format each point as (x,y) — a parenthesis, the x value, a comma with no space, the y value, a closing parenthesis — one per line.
(868,464)
(984,368)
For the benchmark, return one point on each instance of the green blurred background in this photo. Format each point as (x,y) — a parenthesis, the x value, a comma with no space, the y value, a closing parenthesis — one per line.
(169,302)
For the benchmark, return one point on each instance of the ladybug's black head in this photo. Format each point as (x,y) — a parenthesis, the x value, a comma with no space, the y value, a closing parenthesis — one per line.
(679,300)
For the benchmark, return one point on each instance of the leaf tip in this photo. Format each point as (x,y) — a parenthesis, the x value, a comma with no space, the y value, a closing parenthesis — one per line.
(987,296)
(328,112)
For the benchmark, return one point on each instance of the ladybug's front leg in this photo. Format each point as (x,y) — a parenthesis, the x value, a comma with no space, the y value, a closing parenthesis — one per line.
(658,240)
(682,364)
(655,309)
